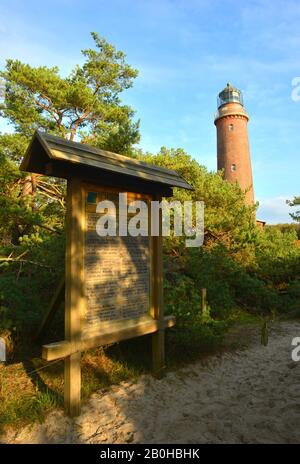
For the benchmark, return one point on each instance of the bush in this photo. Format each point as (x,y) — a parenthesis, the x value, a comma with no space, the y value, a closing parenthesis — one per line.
(26,288)
(188,340)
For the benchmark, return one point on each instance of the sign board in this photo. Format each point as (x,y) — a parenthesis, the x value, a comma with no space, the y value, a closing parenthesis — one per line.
(116,268)
(113,285)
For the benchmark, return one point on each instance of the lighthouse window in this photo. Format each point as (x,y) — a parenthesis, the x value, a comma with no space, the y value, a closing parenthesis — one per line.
(233,167)
(230,127)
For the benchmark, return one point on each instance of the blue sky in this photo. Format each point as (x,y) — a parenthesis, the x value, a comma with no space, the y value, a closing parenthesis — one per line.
(186,51)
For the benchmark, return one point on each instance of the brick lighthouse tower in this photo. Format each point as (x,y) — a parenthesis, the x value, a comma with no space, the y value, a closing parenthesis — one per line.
(233,150)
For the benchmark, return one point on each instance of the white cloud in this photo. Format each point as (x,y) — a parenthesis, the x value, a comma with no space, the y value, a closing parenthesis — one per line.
(274,210)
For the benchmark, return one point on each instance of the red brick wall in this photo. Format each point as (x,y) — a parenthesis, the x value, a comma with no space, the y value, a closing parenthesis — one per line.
(233,147)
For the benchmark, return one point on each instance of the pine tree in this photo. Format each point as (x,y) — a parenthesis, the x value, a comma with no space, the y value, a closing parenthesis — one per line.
(295,202)
(84,106)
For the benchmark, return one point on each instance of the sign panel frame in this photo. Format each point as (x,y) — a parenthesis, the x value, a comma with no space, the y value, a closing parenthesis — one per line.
(113,325)
(75,299)
(82,164)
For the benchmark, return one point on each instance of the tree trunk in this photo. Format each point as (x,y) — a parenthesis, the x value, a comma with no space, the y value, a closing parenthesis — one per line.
(29,185)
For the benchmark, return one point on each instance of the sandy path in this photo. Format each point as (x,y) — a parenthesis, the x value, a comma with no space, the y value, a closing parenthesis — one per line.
(252,396)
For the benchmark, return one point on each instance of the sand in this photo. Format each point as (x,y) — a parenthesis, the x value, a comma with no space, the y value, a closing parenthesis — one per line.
(250,396)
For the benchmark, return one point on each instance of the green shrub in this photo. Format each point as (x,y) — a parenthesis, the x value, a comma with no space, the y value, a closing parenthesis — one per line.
(26,288)
(188,340)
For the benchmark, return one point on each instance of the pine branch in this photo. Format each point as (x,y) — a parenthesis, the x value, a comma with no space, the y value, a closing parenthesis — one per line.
(18,260)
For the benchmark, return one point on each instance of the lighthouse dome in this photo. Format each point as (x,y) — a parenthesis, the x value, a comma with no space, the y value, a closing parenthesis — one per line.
(230,94)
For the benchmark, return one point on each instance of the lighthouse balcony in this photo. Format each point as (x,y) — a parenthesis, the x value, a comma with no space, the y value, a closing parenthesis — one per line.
(231,109)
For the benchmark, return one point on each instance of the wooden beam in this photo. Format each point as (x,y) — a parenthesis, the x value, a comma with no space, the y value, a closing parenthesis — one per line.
(74,298)
(157,310)
(65,348)
(203,303)
(55,302)
(57,350)
(73,384)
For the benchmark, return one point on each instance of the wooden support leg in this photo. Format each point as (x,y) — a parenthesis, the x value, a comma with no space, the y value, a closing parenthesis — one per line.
(157,308)
(158,353)
(203,301)
(74,300)
(72,384)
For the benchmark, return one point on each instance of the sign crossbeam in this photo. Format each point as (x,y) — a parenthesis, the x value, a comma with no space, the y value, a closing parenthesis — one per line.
(62,349)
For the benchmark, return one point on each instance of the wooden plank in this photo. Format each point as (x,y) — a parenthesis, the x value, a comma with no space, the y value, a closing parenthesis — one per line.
(120,168)
(158,338)
(74,299)
(57,350)
(71,151)
(55,302)
(64,348)
(203,301)
(128,183)
(92,187)
(45,148)
(54,142)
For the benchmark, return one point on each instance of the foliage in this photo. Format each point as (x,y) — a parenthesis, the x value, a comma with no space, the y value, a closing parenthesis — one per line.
(286,228)
(295,202)
(239,264)
(227,219)
(26,286)
(84,105)
(277,256)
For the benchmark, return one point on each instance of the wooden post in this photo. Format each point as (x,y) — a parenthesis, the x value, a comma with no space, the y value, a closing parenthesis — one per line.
(74,292)
(203,301)
(157,310)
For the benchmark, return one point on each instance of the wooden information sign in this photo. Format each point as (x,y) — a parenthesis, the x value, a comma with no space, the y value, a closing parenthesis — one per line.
(113,284)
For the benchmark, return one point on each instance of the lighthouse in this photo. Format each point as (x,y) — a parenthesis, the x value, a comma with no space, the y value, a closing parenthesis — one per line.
(233,152)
